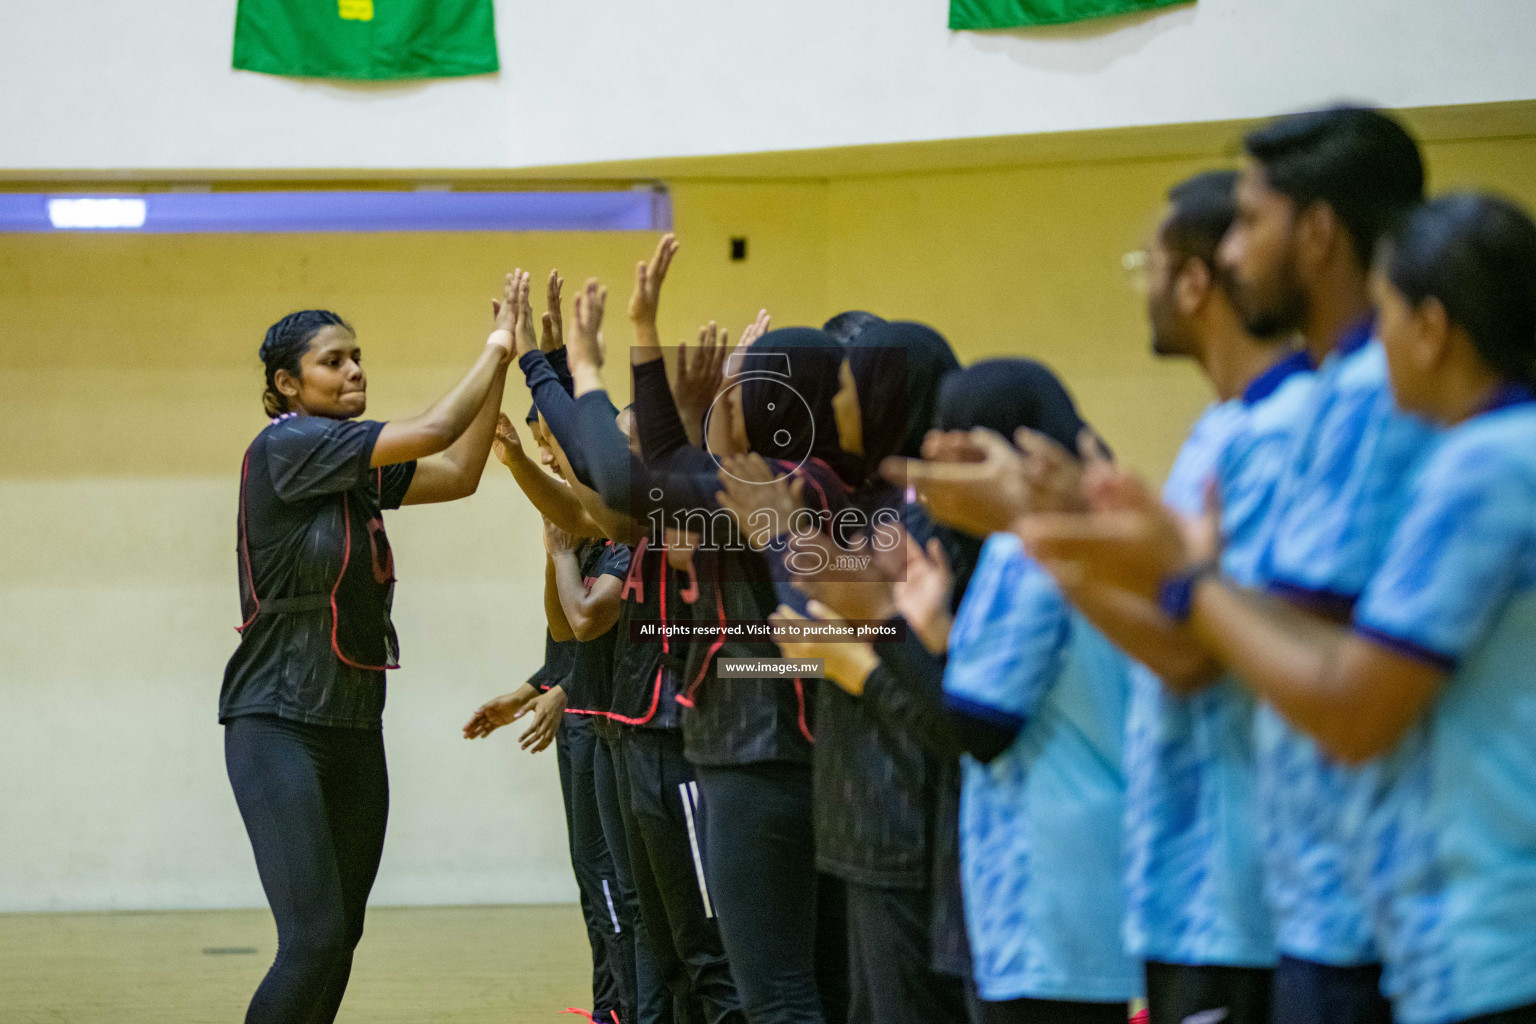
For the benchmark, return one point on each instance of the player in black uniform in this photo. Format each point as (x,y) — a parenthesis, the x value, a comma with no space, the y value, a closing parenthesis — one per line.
(303,695)
(582,576)
(655,783)
(749,740)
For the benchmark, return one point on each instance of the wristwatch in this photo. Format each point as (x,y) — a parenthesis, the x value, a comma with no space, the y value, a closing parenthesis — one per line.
(1176,594)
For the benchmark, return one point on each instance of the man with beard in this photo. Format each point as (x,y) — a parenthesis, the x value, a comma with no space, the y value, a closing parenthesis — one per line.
(1317,193)
(1194,866)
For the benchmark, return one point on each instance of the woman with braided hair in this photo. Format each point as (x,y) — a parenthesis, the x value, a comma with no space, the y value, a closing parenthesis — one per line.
(303,695)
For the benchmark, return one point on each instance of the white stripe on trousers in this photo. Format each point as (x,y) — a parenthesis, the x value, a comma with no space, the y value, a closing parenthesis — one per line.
(612,914)
(690,794)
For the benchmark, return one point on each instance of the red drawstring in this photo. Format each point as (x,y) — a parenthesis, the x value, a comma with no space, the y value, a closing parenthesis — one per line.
(583,1013)
(1141,1017)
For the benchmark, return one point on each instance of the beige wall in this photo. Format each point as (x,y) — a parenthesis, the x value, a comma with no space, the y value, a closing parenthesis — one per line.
(129,387)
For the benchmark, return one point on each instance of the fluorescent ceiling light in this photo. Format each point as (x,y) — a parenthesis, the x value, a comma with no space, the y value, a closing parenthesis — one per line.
(79,214)
(642,209)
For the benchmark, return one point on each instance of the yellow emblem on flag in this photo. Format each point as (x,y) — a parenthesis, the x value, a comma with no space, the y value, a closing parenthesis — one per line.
(355,10)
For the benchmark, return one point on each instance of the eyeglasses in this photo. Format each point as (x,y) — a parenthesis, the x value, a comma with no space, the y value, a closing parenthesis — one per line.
(1138,270)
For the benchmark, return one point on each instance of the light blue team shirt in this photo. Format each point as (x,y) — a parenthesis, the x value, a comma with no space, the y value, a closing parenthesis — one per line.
(1040,824)
(1194,867)
(1334,509)
(1453,842)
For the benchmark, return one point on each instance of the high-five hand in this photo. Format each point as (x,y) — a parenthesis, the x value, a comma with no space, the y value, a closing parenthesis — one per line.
(698,378)
(584,336)
(646,298)
(553,335)
(504,310)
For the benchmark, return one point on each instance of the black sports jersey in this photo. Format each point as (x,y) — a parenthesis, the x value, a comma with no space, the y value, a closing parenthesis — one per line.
(647,674)
(591,689)
(316,574)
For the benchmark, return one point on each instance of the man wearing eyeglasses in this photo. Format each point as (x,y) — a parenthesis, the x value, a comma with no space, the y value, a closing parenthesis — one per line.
(1195,912)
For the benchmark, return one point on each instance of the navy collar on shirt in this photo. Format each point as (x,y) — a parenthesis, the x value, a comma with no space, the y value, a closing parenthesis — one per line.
(1268,382)
(1354,339)
(1508,395)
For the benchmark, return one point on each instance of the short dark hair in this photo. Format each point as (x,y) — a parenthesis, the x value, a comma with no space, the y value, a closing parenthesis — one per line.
(1359,161)
(1202,209)
(848,325)
(284,346)
(1476,254)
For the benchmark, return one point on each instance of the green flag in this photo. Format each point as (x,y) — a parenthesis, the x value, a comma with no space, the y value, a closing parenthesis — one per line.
(366,38)
(1014,13)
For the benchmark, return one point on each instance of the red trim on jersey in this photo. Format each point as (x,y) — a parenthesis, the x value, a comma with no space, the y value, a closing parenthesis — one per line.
(346,557)
(245,547)
(805,729)
(665,644)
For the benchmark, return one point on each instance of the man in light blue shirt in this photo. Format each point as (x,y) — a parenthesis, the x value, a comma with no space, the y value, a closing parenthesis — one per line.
(1428,687)
(1040,822)
(1319,189)
(1193,863)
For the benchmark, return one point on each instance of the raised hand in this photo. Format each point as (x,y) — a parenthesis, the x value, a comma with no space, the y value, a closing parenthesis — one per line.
(754,330)
(507,446)
(499,711)
(584,336)
(504,312)
(923,595)
(522,314)
(697,380)
(553,334)
(649,277)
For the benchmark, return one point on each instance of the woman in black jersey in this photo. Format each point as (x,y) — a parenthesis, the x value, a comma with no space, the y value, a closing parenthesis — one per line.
(303,695)
(656,789)
(880,794)
(749,740)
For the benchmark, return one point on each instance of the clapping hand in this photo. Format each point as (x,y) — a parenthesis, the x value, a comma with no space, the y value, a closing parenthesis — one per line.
(972,480)
(923,596)
(1128,540)
(848,664)
(763,503)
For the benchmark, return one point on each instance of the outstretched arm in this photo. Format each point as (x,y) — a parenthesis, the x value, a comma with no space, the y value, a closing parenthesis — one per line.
(452,439)
(441,425)
(554,500)
(1355,697)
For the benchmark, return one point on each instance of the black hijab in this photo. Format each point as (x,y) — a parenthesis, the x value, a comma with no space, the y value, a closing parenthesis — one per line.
(898,369)
(1006,394)
(780,365)
(1001,395)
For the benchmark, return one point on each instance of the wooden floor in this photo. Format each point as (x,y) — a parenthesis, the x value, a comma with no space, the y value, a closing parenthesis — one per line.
(460,964)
